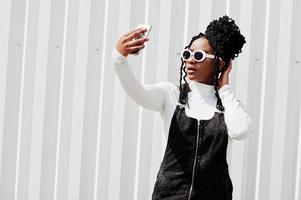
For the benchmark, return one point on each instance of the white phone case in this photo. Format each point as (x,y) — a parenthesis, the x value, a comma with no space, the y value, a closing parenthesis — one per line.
(145,34)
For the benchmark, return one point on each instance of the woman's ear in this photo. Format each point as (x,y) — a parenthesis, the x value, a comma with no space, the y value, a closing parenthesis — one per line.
(221,65)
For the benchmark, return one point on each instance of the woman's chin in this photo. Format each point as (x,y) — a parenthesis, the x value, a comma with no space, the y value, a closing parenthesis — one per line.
(191,77)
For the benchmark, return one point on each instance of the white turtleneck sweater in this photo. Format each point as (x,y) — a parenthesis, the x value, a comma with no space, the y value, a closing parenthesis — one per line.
(163,97)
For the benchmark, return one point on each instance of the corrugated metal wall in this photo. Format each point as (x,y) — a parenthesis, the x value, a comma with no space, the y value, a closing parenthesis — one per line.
(68,131)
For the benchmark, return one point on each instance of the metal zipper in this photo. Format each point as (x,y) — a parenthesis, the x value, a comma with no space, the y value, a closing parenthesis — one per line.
(195,158)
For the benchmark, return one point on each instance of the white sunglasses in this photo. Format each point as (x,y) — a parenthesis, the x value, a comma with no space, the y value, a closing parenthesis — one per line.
(198,55)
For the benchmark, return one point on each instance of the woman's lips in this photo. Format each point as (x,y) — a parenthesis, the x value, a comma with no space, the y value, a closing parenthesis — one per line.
(191,70)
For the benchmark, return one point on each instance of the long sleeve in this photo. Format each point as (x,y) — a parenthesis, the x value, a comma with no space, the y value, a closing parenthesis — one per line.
(239,123)
(149,96)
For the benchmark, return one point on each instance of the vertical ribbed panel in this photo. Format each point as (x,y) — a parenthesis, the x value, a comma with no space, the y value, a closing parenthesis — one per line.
(68,130)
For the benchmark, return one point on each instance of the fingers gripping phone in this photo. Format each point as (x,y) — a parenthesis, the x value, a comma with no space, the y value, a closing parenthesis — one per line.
(145,34)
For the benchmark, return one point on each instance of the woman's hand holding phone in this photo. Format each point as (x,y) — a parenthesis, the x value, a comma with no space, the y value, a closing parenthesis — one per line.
(131,42)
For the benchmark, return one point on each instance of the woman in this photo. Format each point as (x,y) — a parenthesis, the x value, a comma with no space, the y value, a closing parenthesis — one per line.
(199,115)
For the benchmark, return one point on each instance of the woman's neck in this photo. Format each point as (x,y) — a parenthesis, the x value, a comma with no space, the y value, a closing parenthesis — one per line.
(202,88)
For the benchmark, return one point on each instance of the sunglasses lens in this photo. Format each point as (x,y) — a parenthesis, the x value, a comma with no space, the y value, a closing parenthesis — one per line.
(186,54)
(198,55)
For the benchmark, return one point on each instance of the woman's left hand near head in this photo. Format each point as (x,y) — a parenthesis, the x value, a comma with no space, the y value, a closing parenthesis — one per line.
(224,78)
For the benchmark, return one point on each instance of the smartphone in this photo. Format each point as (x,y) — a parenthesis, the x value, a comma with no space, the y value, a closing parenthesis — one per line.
(145,34)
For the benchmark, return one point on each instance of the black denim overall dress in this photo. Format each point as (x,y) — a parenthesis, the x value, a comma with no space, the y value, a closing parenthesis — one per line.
(194,166)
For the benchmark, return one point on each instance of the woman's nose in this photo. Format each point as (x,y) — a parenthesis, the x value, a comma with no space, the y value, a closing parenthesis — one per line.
(191,60)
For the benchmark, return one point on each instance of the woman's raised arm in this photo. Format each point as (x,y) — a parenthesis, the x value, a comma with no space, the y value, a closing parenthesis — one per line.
(149,96)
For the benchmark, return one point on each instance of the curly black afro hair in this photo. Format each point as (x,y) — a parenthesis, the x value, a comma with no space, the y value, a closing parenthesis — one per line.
(226,40)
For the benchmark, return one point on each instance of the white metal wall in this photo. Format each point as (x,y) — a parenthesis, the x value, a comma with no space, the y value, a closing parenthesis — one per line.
(68,131)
